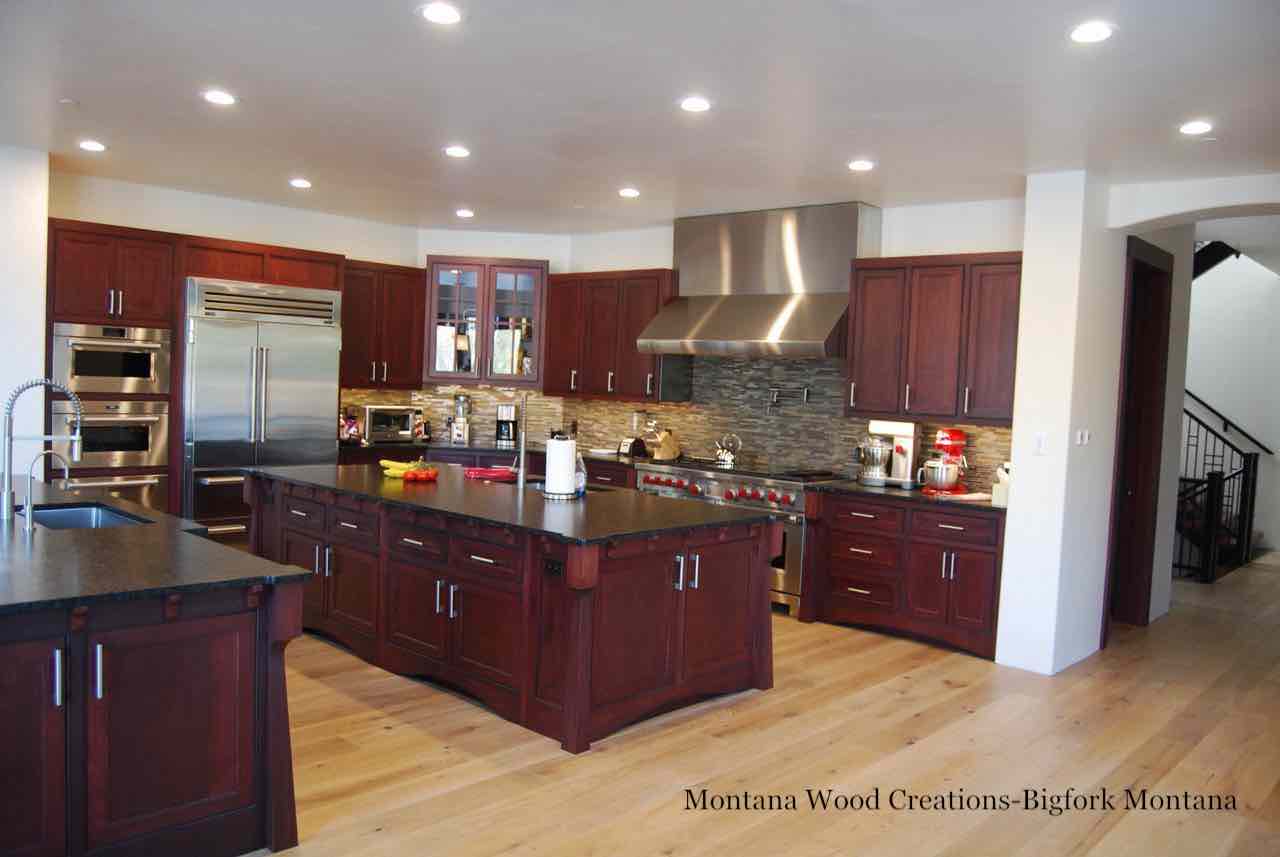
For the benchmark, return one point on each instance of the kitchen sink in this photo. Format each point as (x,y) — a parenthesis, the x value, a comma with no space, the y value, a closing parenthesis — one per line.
(83,517)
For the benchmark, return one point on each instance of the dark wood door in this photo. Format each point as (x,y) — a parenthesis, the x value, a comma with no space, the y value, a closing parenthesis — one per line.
(514,325)
(717,607)
(402,306)
(416,613)
(973,590)
(877,319)
(927,583)
(455,304)
(358,366)
(639,300)
(600,340)
(353,589)
(84,273)
(635,630)
(144,287)
(307,552)
(302,270)
(170,725)
(991,342)
(934,332)
(226,261)
(33,765)
(485,640)
(565,328)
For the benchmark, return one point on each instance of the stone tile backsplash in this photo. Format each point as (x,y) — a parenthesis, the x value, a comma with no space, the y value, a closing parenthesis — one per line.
(729,394)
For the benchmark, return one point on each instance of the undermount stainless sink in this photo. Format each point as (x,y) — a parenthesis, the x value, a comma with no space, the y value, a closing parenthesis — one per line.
(82,517)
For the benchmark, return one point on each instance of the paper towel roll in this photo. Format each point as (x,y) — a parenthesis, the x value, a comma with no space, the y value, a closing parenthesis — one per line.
(562,467)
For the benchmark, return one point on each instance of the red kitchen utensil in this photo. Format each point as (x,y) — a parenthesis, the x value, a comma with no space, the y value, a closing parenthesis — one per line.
(490,474)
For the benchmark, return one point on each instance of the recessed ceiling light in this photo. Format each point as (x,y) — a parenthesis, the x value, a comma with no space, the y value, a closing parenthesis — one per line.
(70,102)
(300,183)
(439,12)
(1196,127)
(220,97)
(465,213)
(695,104)
(456,150)
(628,193)
(92,146)
(1091,32)
(862,165)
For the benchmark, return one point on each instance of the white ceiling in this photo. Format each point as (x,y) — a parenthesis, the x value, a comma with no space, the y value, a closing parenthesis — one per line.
(1256,237)
(564,101)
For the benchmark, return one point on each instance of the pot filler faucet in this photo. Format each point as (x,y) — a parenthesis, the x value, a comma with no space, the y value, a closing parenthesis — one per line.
(6,502)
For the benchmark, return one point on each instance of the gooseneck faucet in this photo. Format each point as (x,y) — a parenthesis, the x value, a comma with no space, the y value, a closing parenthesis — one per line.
(6,502)
(30,512)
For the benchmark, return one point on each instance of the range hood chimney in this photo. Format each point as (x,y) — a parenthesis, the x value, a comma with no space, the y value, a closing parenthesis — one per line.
(769,283)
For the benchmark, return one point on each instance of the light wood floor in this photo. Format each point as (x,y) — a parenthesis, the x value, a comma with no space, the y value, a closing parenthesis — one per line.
(390,766)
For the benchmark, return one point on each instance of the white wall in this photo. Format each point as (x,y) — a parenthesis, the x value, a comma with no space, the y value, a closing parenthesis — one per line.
(1154,205)
(24,213)
(622,250)
(1181,242)
(1231,360)
(960,227)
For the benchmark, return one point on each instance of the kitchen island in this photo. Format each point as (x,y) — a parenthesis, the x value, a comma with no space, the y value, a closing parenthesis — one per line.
(142,687)
(572,618)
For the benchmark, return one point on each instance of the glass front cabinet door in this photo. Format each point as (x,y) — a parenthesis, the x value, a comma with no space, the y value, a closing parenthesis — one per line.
(485,321)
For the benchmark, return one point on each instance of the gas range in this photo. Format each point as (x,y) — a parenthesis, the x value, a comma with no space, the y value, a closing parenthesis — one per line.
(706,479)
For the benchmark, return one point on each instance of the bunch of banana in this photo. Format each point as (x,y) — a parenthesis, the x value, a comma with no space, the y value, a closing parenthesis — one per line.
(409,470)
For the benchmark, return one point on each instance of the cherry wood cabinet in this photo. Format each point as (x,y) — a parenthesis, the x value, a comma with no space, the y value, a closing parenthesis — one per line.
(307,551)
(563,370)
(383,308)
(177,700)
(485,623)
(33,721)
(260,263)
(416,619)
(920,566)
(934,337)
(640,297)
(600,338)
(717,606)
(351,577)
(485,321)
(637,626)
(110,275)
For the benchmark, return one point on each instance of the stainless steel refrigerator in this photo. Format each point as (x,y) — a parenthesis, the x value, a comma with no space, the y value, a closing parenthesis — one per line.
(261,388)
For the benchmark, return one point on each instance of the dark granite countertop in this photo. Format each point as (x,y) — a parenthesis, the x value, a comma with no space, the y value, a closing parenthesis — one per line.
(851,486)
(54,569)
(481,447)
(604,514)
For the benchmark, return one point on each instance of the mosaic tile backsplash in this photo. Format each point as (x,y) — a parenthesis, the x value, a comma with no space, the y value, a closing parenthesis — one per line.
(728,395)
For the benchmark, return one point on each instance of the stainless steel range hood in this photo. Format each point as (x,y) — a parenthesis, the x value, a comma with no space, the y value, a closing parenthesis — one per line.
(764,283)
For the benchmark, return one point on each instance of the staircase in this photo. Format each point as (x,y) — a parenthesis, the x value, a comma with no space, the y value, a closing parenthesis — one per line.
(1217,493)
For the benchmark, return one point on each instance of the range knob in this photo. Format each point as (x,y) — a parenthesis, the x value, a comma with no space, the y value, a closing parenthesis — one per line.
(773,496)
(694,489)
(729,494)
(668,481)
(649,480)
(679,483)
(755,493)
(787,499)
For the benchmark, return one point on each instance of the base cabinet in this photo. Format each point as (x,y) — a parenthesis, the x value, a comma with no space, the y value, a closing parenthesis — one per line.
(717,607)
(33,723)
(415,616)
(485,623)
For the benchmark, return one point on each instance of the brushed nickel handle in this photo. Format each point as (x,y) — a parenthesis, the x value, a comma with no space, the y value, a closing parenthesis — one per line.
(113,483)
(328,561)
(384,371)
(315,562)
(484,559)
(944,565)
(299,513)
(453,603)
(862,551)
(648,384)
(86,343)
(862,515)
(111,302)
(679,572)
(697,567)
(439,587)
(119,302)
(856,591)
(262,408)
(253,393)
(966,400)
(907,405)
(226,529)
(414,542)
(222,480)
(573,380)
(98,687)
(951,527)
(952,575)
(57,678)
(373,371)
(603,478)
(853,393)
(610,381)
(348,526)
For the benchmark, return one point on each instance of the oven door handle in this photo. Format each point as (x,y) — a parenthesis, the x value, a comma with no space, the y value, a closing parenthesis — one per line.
(122,483)
(121,344)
(144,418)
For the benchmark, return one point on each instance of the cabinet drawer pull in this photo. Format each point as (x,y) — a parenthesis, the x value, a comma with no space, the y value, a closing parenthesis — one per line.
(862,515)
(907,405)
(856,591)
(648,384)
(573,380)
(373,370)
(604,478)
(414,542)
(384,371)
(348,525)
(439,587)
(222,480)
(226,529)
(57,678)
(299,513)
(484,559)
(610,384)
(966,400)
(951,527)
(862,551)
(98,688)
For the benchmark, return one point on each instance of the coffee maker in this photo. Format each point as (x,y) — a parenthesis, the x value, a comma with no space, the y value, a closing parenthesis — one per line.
(889,456)
(507,431)
(459,423)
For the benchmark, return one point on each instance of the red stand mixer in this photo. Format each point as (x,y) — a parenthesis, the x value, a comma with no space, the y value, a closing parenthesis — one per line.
(941,473)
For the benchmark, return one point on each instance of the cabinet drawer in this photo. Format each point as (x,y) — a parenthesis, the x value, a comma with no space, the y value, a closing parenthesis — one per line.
(865,592)
(601,473)
(868,551)
(484,558)
(417,542)
(969,529)
(487,532)
(352,526)
(861,517)
(299,514)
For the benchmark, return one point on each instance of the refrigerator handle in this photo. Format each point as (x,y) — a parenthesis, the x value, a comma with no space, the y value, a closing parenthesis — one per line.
(253,394)
(262,398)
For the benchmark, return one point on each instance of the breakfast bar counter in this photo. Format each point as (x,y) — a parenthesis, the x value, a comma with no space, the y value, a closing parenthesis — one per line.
(572,618)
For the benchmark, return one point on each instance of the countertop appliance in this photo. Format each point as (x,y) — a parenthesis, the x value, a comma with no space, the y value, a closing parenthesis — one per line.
(783,492)
(942,472)
(903,442)
(115,434)
(506,431)
(876,455)
(392,423)
(261,388)
(94,358)
(460,423)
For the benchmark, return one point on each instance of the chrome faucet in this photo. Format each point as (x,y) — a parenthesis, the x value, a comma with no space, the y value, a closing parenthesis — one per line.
(6,501)
(29,510)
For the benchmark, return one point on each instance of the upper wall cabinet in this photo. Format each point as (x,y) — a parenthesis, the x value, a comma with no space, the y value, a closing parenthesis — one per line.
(934,337)
(382,326)
(593,322)
(260,263)
(111,276)
(484,321)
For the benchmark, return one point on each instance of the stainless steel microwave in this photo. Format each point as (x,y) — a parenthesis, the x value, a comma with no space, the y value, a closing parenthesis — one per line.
(92,358)
(115,434)
(391,423)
